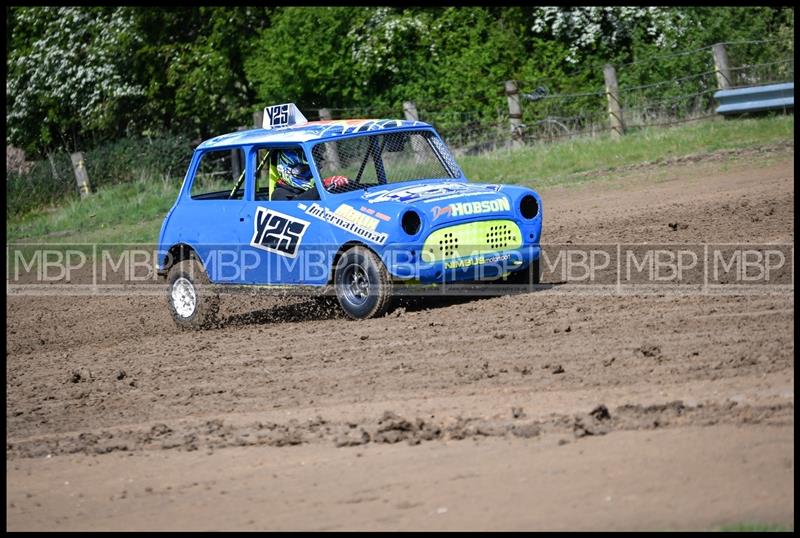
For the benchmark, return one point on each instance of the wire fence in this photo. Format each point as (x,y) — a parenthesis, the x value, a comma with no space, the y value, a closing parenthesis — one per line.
(554,109)
(647,96)
(550,109)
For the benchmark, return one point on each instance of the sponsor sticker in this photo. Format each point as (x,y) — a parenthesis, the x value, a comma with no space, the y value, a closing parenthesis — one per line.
(459,209)
(276,232)
(336,219)
(475,260)
(354,126)
(350,213)
(370,211)
(429,192)
(466,189)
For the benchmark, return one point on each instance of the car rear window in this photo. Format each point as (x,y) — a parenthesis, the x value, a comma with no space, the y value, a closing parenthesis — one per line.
(219,176)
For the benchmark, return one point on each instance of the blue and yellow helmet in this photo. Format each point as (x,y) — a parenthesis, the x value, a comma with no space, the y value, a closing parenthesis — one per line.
(294,170)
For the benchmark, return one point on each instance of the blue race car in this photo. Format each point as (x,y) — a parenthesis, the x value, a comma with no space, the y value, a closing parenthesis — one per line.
(360,208)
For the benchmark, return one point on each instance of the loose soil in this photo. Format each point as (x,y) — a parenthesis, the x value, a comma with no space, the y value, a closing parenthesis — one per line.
(557,409)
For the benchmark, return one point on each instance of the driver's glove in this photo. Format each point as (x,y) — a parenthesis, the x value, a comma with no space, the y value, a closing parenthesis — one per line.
(335,182)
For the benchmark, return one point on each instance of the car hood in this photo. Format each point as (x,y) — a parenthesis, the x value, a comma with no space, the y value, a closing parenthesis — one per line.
(438,202)
(425,191)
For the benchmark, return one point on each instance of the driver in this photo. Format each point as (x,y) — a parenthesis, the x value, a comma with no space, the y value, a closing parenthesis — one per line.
(295,181)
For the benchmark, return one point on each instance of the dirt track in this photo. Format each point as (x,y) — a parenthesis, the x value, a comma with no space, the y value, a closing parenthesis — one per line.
(557,409)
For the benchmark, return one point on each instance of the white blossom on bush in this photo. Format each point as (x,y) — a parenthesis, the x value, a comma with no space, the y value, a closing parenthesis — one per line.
(74,59)
(585,27)
(378,44)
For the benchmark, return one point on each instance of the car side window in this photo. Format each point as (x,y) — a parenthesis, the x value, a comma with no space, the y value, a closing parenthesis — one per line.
(266,176)
(219,176)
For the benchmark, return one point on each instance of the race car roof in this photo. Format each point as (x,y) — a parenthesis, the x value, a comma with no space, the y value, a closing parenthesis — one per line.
(313,130)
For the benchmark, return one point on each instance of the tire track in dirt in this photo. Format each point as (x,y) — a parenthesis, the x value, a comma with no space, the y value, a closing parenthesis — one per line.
(234,372)
(550,410)
(86,362)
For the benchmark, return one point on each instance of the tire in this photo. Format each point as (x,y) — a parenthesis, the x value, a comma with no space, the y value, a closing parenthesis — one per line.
(193,301)
(362,284)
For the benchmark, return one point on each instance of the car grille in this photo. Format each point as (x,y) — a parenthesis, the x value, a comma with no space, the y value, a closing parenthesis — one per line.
(471,239)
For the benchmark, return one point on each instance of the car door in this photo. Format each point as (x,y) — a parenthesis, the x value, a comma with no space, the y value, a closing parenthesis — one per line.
(208,214)
(280,242)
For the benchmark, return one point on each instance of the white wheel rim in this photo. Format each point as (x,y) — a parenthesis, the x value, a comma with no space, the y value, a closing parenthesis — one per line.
(183,297)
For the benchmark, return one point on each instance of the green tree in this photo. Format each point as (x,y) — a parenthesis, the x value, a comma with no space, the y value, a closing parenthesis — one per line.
(67,74)
(79,76)
(305,57)
(192,67)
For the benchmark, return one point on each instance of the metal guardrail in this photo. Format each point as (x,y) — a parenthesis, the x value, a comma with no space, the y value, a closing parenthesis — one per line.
(755,98)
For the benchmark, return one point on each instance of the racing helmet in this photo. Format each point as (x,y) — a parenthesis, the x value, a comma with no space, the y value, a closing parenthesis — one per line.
(294,169)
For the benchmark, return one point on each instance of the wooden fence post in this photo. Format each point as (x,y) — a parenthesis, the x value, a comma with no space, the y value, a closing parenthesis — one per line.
(614,107)
(81,176)
(514,113)
(325,114)
(411,114)
(52,167)
(237,163)
(236,167)
(721,66)
(410,111)
(331,149)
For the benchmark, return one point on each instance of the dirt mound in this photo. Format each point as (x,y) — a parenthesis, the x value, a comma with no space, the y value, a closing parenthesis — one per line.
(392,428)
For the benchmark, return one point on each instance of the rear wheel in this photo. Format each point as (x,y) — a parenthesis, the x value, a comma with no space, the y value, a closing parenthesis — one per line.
(193,302)
(362,283)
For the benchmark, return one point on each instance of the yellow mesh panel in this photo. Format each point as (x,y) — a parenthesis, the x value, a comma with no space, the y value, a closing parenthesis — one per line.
(471,239)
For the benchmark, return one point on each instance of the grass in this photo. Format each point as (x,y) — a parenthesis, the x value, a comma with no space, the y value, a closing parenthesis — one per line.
(133,212)
(559,163)
(754,527)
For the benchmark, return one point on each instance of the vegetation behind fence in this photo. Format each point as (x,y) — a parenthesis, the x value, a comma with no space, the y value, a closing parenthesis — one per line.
(450,67)
(52,180)
(552,112)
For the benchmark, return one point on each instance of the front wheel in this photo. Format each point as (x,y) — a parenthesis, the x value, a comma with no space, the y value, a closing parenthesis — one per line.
(193,302)
(362,283)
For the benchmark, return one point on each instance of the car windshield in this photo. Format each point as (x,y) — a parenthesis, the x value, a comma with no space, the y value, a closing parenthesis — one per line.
(380,158)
